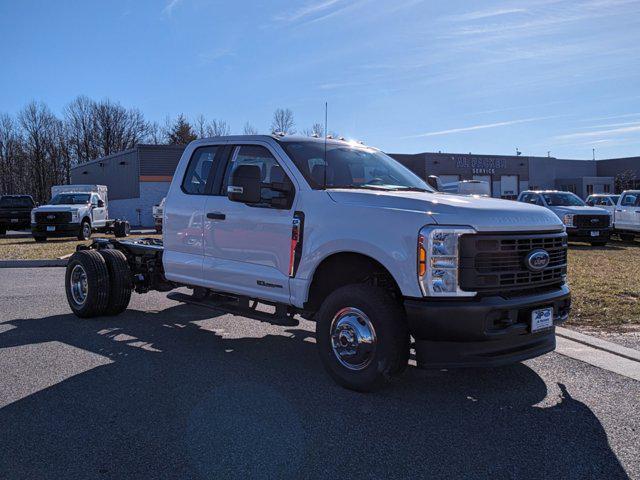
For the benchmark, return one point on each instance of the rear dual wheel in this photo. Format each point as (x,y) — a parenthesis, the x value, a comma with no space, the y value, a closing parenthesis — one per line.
(98,283)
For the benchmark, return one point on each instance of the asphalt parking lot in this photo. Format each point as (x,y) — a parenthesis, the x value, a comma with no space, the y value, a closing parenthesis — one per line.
(169,390)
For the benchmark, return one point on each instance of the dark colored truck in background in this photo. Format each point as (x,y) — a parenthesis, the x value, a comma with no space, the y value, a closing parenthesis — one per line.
(15,212)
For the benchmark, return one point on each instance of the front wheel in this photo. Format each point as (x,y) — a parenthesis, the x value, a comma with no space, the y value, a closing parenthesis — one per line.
(626,237)
(3,231)
(362,337)
(598,244)
(39,239)
(85,231)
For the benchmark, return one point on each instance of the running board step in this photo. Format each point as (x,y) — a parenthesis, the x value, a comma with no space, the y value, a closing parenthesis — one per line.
(241,306)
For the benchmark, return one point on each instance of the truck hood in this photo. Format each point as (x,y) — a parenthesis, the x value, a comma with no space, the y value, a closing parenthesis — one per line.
(58,208)
(481,213)
(579,210)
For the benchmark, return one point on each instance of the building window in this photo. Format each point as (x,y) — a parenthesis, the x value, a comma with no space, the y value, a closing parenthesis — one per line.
(607,188)
(589,189)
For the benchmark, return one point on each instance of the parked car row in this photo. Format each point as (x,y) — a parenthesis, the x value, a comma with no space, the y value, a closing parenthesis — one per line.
(73,211)
(595,220)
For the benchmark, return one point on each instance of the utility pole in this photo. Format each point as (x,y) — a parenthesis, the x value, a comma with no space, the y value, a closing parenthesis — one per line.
(594,153)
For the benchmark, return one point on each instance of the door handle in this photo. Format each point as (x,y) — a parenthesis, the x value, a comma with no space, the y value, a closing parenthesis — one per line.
(216,216)
(618,210)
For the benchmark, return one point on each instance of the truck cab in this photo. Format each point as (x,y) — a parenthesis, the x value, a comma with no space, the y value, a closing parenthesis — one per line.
(342,234)
(627,215)
(583,223)
(605,201)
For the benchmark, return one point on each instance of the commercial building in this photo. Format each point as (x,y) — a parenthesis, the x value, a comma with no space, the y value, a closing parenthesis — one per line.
(508,175)
(139,178)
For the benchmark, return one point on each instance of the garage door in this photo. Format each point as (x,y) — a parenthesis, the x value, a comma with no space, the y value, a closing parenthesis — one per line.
(509,186)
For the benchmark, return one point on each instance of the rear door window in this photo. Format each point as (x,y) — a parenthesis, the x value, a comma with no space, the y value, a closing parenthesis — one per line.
(200,170)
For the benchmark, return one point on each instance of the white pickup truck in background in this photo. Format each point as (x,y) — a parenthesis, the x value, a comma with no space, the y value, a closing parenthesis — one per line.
(627,215)
(158,212)
(75,211)
(342,234)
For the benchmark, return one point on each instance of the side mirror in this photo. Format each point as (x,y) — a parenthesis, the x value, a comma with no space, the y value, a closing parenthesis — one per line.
(244,184)
(100,203)
(433,182)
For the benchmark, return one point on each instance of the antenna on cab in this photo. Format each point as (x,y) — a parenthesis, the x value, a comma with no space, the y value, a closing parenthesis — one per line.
(326,132)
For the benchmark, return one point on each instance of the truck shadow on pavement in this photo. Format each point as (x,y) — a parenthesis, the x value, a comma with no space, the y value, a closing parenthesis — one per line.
(182,399)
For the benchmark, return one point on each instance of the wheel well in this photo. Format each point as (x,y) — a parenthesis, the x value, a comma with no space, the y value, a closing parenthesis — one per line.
(87,219)
(347,268)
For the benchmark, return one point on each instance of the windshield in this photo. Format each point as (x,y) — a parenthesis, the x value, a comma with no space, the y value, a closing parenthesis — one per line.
(16,202)
(351,167)
(563,200)
(70,199)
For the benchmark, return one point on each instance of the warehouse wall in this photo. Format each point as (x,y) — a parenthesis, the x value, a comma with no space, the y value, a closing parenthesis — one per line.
(138,210)
(159,162)
(118,172)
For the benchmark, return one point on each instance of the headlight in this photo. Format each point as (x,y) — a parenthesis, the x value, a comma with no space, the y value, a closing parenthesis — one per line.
(438,261)
(568,220)
(74,216)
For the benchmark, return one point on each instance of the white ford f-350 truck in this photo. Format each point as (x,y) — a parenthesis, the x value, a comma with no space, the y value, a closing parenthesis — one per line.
(342,234)
(75,211)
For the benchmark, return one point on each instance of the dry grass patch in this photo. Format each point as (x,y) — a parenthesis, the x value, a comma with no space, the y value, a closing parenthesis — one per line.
(605,285)
(26,248)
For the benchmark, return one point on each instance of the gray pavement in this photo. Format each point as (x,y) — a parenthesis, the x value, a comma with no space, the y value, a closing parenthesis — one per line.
(168,390)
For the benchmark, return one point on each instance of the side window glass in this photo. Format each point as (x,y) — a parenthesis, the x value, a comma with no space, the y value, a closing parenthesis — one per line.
(94,200)
(200,165)
(272,174)
(628,200)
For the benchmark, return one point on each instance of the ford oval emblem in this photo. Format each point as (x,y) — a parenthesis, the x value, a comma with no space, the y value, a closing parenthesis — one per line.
(537,260)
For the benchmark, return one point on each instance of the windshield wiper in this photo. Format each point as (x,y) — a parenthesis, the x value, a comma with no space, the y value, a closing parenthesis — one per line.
(409,189)
(360,187)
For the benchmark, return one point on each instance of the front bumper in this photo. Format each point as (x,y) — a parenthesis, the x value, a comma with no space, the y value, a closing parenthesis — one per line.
(19,225)
(487,331)
(60,230)
(584,234)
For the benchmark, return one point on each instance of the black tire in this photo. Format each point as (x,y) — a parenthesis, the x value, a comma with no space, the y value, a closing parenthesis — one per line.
(598,244)
(121,229)
(627,237)
(391,353)
(85,230)
(96,297)
(120,285)
(39,239)
(3,231)
(158,229)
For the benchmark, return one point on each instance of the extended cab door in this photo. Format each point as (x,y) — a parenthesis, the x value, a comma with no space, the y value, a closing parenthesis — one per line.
(628,212)
(247,247)
(184,211)
(98,213)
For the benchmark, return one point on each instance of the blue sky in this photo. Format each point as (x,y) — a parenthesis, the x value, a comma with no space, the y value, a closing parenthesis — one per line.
(406,76)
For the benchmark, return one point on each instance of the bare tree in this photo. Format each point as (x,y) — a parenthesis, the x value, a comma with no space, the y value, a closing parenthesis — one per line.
(283,121)
(79,116)
(249,129)
(218,128)
(316,130)
(117,128)
(39,124)
(200,126)
(12,168)
(155,134)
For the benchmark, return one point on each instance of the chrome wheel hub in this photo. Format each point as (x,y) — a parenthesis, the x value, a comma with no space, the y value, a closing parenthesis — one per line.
(86,230)
(78,284)
(353,338)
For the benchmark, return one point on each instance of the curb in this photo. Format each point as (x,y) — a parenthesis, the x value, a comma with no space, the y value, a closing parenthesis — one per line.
(625,352)
(57,262)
